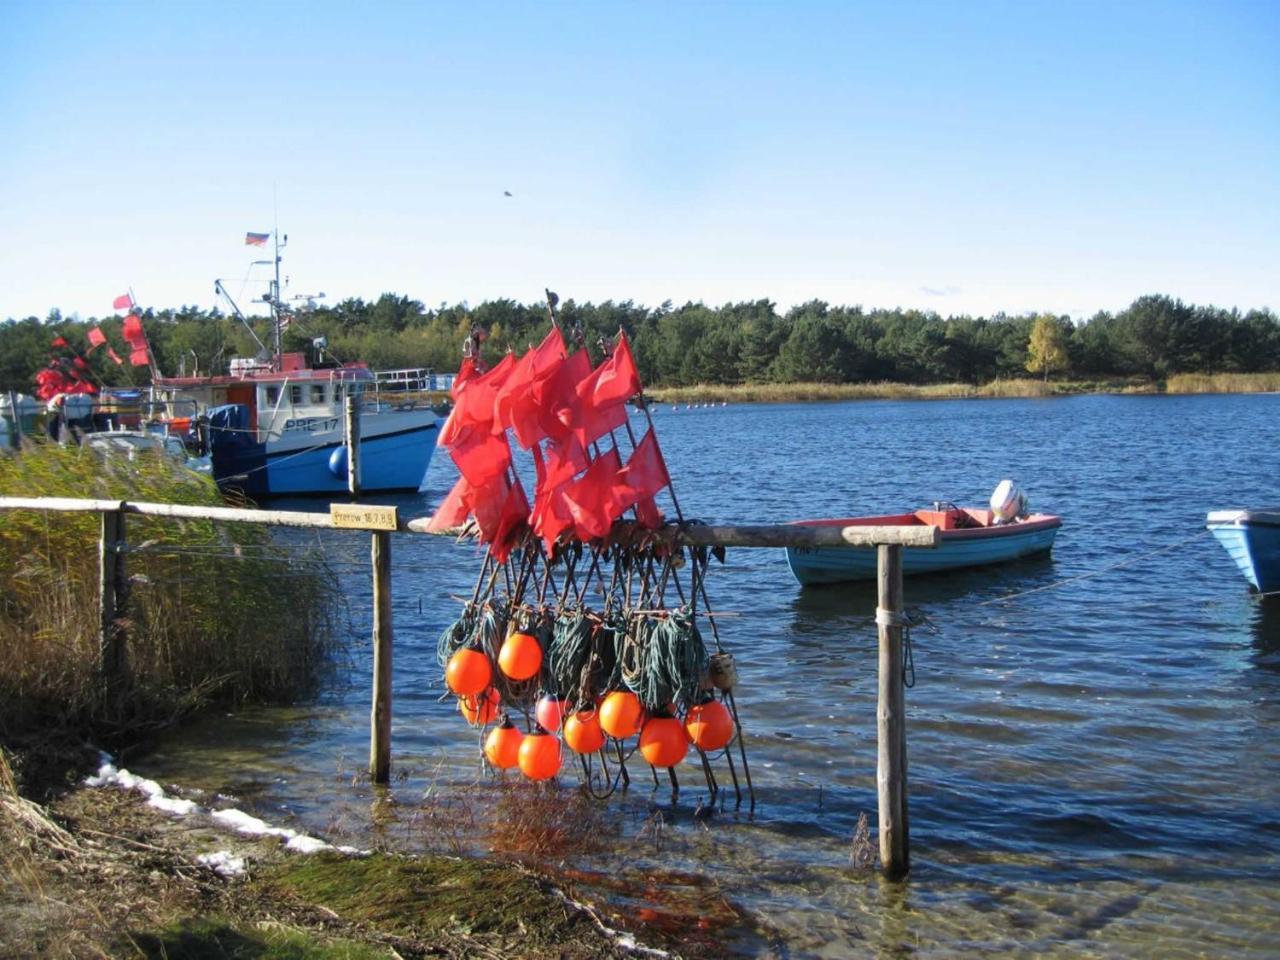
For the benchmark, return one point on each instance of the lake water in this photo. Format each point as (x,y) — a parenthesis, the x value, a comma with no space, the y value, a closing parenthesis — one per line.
(1093,738)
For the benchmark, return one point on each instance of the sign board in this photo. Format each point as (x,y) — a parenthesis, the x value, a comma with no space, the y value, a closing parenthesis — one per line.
(358,516)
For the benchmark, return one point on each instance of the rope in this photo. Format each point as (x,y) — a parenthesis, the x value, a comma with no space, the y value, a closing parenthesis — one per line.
(665,660)
(1093,573)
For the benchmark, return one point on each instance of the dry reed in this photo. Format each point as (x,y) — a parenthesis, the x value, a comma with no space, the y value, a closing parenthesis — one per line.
(215,612)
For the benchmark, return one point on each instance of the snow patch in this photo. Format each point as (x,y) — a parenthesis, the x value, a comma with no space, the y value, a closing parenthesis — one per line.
(223,862)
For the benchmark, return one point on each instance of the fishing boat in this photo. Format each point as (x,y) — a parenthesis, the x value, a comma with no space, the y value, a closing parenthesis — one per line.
(969,537)
(1252,539)
(275,424)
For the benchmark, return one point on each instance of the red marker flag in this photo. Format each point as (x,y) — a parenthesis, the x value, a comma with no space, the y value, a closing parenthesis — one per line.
(138,357)
(122,302)
(96,337)
(590,498)
(114,356)
(644,475)
(454,508)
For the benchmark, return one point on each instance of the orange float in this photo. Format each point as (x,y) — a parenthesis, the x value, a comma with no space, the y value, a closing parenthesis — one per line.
(468,672)
(539,756)
(709,725)
(502,746)
(582,732)
(621,714)
(663,741)
(550,712)
(481,708)
(521,656)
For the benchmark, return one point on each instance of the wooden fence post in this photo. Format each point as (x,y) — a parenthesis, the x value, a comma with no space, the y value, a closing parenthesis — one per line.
(353,445)
(891,726)
(380,720)
(112,595)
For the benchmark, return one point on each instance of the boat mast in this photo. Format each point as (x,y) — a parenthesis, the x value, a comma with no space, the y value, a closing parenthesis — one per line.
(277,307)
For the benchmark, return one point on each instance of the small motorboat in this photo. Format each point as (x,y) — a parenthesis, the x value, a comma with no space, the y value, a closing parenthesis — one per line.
(970,537)
(1252,539)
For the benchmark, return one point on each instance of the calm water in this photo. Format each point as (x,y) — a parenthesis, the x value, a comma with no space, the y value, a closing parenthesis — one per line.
(1093,766)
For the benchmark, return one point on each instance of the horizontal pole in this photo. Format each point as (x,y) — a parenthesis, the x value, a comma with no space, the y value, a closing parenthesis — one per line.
(756,535)
(689,535)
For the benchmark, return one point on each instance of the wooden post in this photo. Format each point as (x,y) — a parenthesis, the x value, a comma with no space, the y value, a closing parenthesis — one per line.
(112,596)
(380,719)
(891,726)
(353,445)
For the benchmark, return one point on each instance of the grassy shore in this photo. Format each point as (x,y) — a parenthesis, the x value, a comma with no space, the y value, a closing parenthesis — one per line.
(99,873)
(830,392)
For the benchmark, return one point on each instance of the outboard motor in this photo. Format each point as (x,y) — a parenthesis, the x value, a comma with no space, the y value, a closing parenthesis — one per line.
(1008,503)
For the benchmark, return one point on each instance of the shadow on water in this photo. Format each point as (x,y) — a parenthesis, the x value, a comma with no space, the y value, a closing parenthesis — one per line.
(1266,632)
(820,605)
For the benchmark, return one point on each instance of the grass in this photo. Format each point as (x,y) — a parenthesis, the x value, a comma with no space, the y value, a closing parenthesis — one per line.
(215,612)
(1026,387)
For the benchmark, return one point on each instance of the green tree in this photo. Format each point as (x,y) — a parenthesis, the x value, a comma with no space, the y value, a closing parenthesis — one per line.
(1047,348)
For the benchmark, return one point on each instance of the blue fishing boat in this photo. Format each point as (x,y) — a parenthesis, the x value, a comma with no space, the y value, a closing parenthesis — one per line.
(1252,539)
(969,537)
(275,424)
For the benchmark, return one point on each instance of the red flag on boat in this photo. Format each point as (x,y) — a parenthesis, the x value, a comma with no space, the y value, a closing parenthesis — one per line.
(123,302)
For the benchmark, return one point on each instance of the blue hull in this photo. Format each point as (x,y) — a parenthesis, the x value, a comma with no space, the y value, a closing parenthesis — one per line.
(1252,539)
(393,462)
(837,565)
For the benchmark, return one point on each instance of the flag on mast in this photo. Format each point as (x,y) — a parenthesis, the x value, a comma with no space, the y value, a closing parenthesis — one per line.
(256,239)
(122,302)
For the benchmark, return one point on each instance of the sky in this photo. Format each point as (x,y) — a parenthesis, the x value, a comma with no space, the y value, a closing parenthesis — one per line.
(962,158)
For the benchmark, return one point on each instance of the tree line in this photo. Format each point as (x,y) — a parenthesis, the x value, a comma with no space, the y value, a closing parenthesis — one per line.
(749,342)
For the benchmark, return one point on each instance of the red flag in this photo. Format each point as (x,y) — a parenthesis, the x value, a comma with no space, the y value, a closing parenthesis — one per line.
(473,405)
(648,515)
(96,337)
(487,503)
(614,381)
(512,518)
(644,475)
(556,395)
(589,499)
(480,456)
(514,405)
(564,461)
(466,371)
(59,342)
(550,509)
(122,302)
(454,508)
(139,357)
(114,356)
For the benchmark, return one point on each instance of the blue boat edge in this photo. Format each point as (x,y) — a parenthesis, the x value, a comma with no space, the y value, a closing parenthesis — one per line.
(1251,538)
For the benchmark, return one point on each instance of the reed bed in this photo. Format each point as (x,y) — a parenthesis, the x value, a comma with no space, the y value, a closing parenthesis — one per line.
(831,392)
(216,612)
(1223,383)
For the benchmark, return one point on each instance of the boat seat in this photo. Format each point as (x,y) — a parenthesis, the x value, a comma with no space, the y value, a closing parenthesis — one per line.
(956,519)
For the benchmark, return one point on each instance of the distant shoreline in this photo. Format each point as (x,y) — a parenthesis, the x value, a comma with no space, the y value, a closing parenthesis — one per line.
(820,392)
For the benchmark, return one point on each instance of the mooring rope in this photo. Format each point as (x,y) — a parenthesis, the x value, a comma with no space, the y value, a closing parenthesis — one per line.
(1128,561)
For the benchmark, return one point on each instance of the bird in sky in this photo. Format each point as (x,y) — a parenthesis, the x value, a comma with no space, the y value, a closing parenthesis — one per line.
(506,193)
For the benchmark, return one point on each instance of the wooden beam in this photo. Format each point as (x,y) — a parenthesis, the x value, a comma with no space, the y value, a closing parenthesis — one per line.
(891,719)
(380,716)
(759,535)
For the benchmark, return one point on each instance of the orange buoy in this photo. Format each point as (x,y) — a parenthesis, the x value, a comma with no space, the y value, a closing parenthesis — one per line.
(663,741)
(582,732)
(621,714)
(550,712)
(521,656)
(481,708)
(468,672)
(539,756)
(709,725)
(502,746)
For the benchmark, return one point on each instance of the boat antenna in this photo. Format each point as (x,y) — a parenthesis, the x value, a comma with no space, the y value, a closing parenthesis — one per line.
(221,290)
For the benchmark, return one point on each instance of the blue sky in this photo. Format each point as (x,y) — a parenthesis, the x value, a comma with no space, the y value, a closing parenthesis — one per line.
(964,158)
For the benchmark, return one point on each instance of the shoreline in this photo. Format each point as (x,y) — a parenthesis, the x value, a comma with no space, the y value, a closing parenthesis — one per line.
(121,868)
(1176,385)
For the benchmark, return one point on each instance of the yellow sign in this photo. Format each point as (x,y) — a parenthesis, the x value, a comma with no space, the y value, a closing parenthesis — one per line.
(357,516)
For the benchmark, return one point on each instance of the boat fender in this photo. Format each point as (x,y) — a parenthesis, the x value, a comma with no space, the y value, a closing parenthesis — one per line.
(338,462)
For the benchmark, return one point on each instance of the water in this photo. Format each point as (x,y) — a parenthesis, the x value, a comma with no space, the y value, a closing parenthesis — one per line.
(1093,766)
